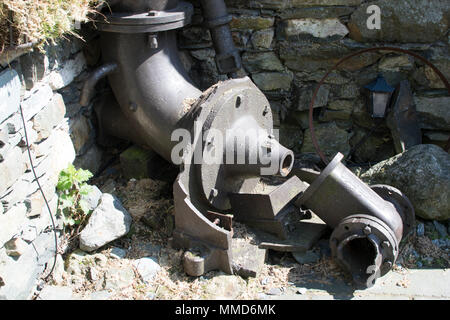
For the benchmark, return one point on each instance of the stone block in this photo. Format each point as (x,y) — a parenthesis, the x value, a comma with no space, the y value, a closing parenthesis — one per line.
(11,168)
(262,39)
(10,88)
(49,117)
(265,61)
(14,219)
(251,23)
(317,28)
(137,163)
(39,98)
(268,81)
(412,21)
(58,79)
(433,112)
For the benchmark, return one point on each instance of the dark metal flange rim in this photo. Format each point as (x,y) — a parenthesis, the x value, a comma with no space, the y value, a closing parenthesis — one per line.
(401,202)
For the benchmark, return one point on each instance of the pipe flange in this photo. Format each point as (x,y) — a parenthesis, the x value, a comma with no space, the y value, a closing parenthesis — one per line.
(401,202)
(227,103)
(152,21)
(365,247)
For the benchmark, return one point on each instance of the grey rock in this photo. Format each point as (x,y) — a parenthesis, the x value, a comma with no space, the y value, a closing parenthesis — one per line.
(11,168)
(403,21)
(262,38)
(246,22)
(39,98)
(332,115)
(261,61)
(55,293)
(14,218)
(225,287)
(62,154)
(422,173)
(396,63)
(20,275)
(49,117)
(311,57)
(10,88)
(117,253)
(308,257)
(109,221)
(147,268)
(433,112)
(109,186)
(149,249)
(16,247)
(69,71)
(339,143)
(317,28)
(33,66)
(92,198)
(268,81)
(306,94)
(81,134)
(441,229)
(420,230)
(316,12)
(91,160)
(248,259)
(118,278)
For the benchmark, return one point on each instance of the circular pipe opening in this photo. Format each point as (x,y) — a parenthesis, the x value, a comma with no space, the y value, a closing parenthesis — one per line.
(359,255)
(286,164)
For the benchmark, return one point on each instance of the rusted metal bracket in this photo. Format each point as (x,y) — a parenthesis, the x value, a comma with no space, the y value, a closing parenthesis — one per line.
(195,232)
(263,211)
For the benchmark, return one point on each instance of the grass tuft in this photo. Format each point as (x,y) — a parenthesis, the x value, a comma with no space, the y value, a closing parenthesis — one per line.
(41,21)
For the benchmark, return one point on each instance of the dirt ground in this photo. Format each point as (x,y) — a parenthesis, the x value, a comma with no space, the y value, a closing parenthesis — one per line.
(103,275)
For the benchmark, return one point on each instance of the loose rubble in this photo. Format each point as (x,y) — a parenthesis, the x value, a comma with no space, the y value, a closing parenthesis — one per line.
(142,265)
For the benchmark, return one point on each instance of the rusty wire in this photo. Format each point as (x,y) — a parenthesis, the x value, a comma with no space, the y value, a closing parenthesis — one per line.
(321,82)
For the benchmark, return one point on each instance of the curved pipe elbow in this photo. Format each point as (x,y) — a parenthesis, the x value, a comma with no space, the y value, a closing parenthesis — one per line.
(88,91)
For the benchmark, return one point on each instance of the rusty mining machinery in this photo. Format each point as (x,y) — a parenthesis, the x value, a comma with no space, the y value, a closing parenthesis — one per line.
(153,96)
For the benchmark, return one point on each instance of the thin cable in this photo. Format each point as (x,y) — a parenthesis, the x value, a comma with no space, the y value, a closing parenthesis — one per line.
(42,192)
(321,82)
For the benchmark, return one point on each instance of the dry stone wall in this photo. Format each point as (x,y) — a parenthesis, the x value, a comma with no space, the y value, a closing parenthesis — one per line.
(46,86)
(287,46)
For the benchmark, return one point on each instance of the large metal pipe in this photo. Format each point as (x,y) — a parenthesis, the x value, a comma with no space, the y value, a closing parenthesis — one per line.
(155,110)
(368,222)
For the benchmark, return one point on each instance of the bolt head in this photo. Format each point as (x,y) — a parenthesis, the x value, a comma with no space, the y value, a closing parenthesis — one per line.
(367,230)
(133,106)
(385,245)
